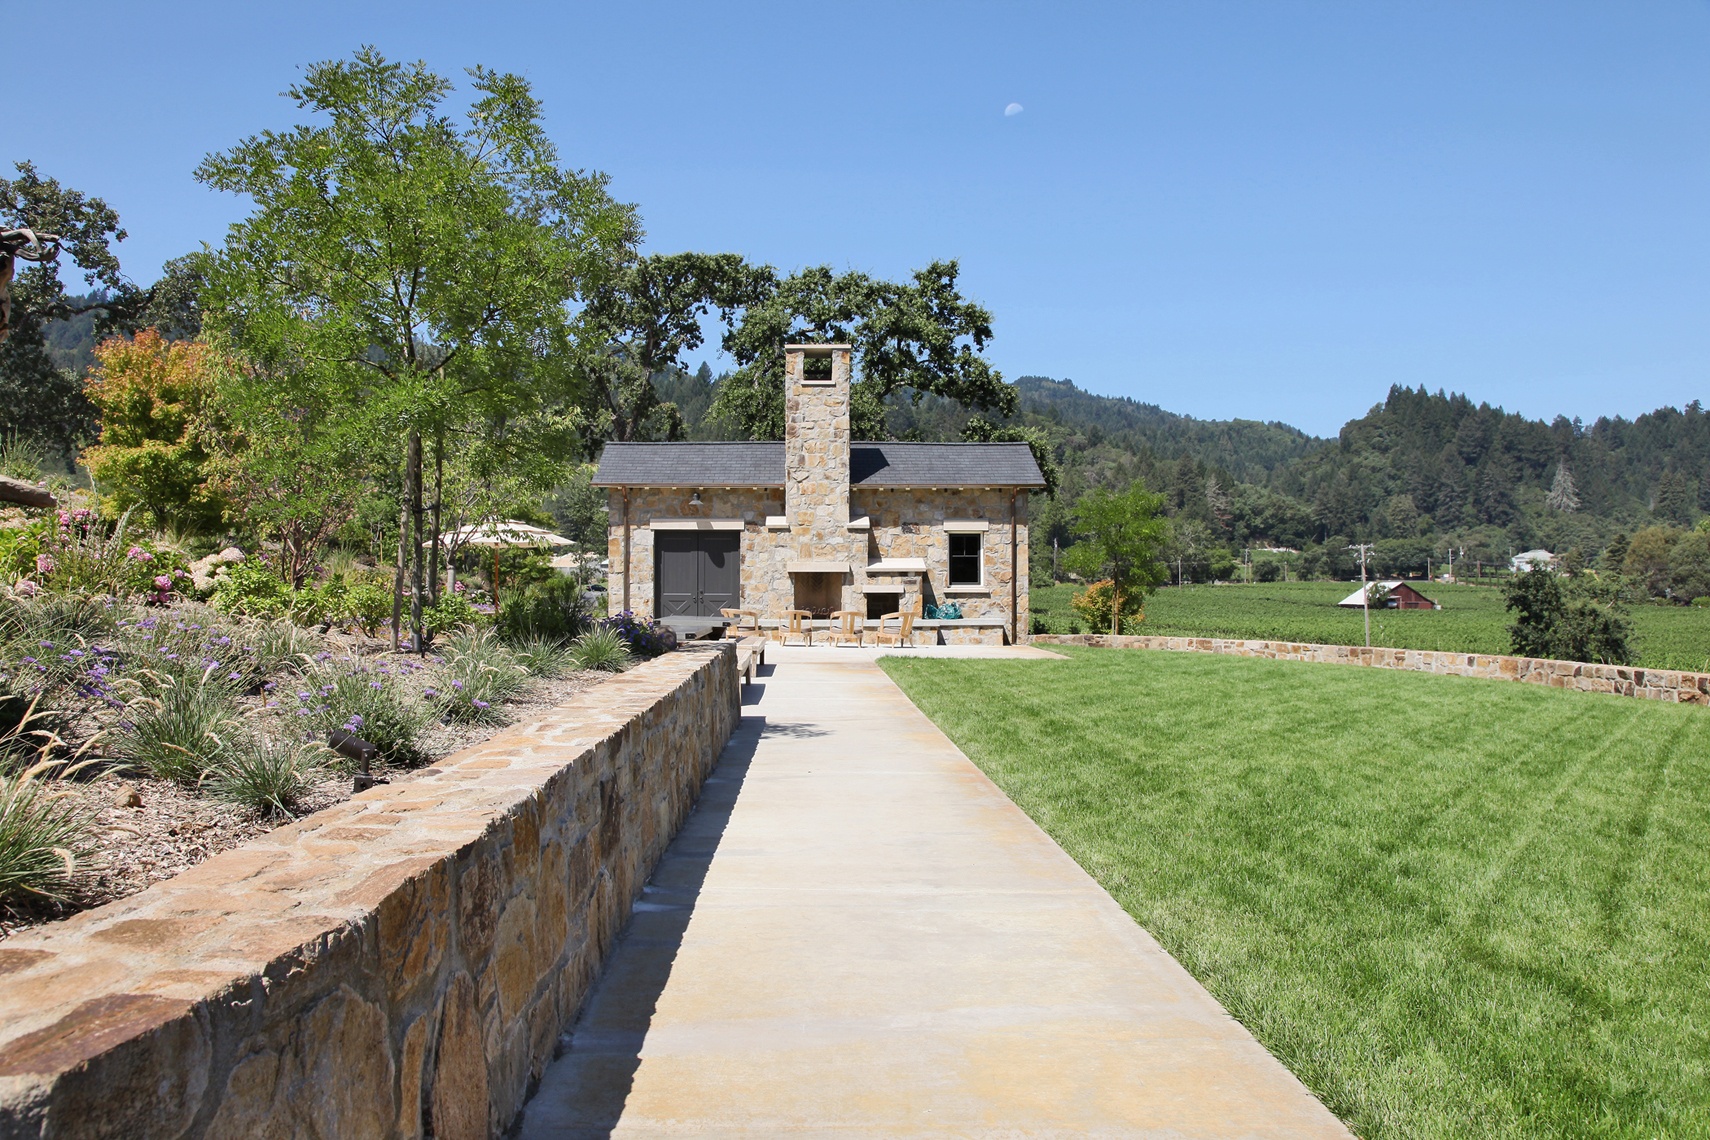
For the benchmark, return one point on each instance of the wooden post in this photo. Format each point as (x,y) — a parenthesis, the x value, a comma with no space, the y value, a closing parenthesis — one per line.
(1014,576)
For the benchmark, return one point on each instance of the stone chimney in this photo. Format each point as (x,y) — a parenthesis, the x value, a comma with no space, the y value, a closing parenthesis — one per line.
(816,449)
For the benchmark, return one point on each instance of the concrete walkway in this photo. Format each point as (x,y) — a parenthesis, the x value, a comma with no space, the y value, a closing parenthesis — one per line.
(858,935)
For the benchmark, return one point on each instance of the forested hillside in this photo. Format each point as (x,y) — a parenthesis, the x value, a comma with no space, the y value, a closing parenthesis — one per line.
(1422,474)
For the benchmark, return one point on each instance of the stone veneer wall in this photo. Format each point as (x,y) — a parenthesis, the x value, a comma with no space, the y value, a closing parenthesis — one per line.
(762,553)
(1621,680)
(816,457)
(400,964)
(905,523)
(909,523)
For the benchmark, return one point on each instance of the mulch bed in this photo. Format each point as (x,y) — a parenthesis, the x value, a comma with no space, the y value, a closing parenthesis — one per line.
(149,830)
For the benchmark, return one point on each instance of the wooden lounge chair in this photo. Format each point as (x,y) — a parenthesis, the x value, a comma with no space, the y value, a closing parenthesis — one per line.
(847,626)
(793,623)
(900,636)
(744,623)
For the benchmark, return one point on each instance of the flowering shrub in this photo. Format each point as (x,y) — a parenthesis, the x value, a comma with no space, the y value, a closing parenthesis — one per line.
(75,551)
(56,653)
(644,638)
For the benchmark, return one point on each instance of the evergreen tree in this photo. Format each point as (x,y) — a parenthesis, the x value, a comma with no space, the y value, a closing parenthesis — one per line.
(1674,497)
(1562,496)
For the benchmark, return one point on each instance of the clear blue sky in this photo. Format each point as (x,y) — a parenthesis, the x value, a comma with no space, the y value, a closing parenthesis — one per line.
(1263,209)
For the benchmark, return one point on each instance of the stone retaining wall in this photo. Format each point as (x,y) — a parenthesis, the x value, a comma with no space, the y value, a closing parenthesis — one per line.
(400,964)
(1622,680)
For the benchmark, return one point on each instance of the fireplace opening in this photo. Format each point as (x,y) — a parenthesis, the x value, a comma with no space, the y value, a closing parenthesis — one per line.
(819,594)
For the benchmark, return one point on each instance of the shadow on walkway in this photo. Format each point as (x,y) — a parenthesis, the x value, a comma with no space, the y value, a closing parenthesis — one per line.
(584,1091)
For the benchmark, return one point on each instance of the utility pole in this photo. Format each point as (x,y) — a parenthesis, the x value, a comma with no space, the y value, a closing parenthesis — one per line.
(1365,548)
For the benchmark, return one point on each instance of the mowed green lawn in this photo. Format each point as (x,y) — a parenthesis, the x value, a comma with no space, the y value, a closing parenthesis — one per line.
(1452,907)
(1472,619)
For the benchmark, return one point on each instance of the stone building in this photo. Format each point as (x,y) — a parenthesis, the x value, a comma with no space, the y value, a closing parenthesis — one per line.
(820,522)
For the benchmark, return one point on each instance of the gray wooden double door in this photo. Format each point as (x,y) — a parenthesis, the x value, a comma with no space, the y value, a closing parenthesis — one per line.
(695,572)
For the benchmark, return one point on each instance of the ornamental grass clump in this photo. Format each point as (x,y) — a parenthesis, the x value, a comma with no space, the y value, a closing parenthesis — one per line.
(59,617)
(278,646)
(178,725)
(374,703)
(269,774)
(480,674)
(542,657)
(602,649)
(43,835)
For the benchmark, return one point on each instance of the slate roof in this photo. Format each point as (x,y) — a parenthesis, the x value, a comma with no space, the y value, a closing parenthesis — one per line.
(943,465)
(871,465)
(691,465)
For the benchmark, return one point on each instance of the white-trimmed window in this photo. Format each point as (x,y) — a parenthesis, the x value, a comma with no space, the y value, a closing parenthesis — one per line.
(967,558)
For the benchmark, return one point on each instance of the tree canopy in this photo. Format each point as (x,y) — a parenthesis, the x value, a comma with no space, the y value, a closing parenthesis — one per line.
(389,248)
(154,397)
(643,317)
(911,339)
(1122,536)
(37,399)
(417,273)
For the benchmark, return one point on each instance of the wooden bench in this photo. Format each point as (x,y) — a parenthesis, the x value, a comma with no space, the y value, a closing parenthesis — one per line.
(750,655)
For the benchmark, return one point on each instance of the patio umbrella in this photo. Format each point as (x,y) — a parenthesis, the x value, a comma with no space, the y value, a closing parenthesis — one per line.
(496,535)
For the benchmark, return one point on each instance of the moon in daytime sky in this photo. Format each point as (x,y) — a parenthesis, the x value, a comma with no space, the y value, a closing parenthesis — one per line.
(1012,109)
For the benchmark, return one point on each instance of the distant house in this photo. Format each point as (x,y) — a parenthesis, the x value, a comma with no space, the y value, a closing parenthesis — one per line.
(1400,596)
(1531,560)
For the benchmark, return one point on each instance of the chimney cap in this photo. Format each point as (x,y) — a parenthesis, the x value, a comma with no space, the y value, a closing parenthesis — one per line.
(816,349)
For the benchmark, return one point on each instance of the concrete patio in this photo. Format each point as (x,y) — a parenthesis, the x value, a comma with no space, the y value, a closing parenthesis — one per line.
(857,934)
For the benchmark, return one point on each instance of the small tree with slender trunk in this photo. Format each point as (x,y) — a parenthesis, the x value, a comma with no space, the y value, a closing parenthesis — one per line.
(417,269)
(1121,537)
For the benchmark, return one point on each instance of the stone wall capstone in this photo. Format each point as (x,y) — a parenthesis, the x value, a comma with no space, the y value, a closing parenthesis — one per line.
(398,965)
(1620,680)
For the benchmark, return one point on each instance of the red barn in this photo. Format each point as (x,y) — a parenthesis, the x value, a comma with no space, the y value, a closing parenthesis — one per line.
(1401,597)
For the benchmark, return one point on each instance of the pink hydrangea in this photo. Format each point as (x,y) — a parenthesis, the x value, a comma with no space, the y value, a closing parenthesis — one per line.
(138,554)
(44,564)
(163,582)
(25,588)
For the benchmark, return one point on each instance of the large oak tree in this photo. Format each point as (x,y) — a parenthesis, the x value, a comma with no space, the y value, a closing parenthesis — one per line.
(910,338)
